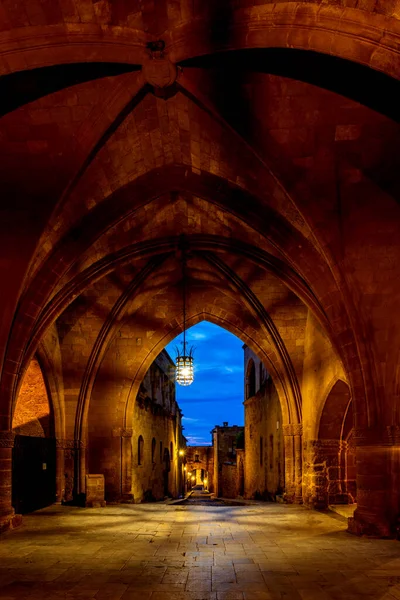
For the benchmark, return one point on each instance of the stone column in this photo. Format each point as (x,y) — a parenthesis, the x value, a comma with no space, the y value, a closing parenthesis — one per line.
(298,462)
(82,468)
(126,460)
(69,470)
(124,478)
(378,507)
(292,437)
(8,518)
(60,471)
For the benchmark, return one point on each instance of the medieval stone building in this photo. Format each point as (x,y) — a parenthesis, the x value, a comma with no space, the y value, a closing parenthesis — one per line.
(225,439)
(264,463)
(157,435)
(267,134)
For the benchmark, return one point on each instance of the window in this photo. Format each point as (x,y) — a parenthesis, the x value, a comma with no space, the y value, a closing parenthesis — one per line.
(171,451)
(251,379)
(153,450)
(261,450)
(140,450)
(196,458)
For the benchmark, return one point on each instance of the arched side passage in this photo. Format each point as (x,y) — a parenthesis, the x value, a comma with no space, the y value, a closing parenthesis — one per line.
(329,476)
(34,471)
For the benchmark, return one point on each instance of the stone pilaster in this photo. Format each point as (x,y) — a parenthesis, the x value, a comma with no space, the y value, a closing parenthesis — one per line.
(70,453)
(124,494)
(8,518)
(292,437)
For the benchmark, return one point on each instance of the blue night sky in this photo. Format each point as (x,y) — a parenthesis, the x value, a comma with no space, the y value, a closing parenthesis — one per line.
(216,395)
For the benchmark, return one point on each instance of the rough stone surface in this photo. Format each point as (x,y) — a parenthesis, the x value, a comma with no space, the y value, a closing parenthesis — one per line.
(158,552)
(264,462)
(226,471)
(95,490)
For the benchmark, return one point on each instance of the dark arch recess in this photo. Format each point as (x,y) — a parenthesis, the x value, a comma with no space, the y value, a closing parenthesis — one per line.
(17,89)
(344,77)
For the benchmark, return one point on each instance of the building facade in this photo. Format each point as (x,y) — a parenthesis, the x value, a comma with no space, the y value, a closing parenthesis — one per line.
(264,464)
(157,435)
(225,440)
(200,467)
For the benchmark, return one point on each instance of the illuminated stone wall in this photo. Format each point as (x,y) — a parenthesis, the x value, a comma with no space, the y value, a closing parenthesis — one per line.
(32,412)
(224,442)
(264,447)
(157,419)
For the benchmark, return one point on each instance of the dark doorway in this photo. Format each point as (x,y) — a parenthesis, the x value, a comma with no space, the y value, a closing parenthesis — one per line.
(34,473)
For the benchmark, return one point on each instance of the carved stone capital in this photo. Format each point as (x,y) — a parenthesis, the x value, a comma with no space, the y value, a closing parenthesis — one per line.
(7,439)
(293,429)
(393,434)
(333,445)
(68,444)
(375,436)
(121,432)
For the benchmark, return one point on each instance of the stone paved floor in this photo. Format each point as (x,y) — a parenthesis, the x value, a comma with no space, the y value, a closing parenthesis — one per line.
(161,552)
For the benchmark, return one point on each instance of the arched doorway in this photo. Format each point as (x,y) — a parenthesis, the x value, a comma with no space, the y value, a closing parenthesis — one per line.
(34,452)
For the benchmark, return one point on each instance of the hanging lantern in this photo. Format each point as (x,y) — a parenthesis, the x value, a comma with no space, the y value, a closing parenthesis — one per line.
(184,372)
(184,368)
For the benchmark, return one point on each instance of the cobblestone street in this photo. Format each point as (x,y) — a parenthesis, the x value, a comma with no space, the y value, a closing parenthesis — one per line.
(183,552)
